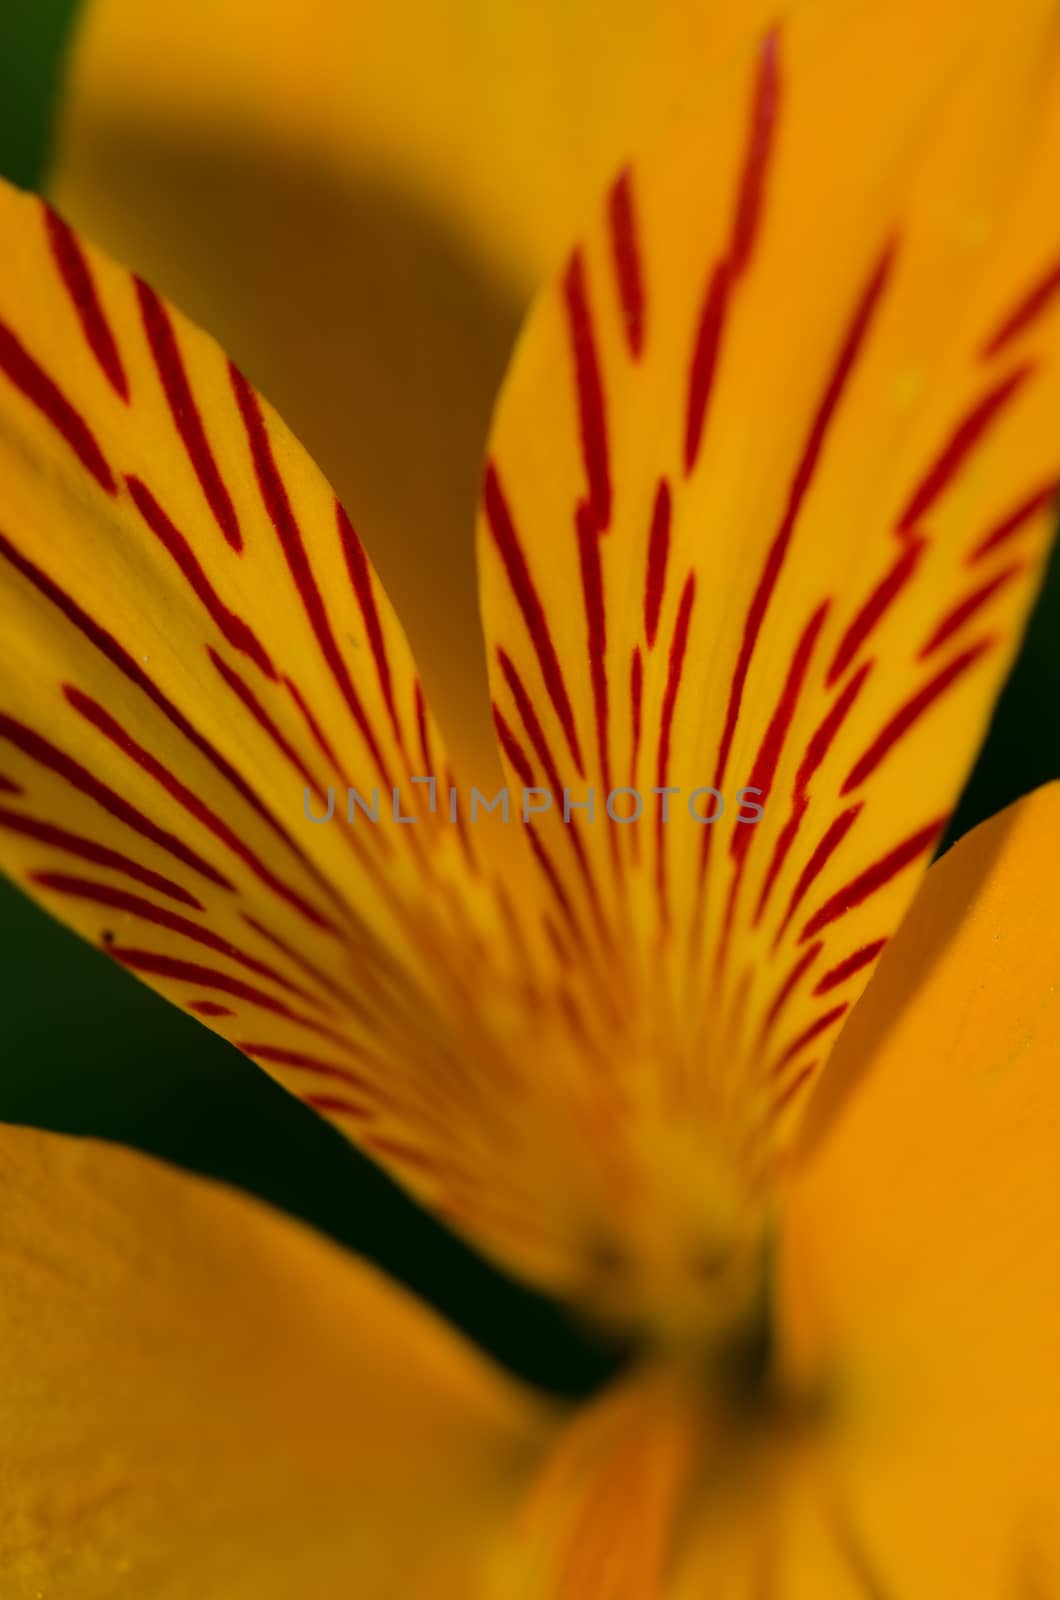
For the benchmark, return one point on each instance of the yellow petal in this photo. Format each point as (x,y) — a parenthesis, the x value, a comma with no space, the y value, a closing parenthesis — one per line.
(195,651)
(358,199)
(769,490)
(203,1399)
(920,1230)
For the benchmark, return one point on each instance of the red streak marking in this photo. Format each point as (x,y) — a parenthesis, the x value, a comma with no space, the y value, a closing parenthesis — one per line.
(800,485)
(787,988)
(48,755)
(34,383)
(962,441)
(858,890)
(636,698)
(303,963)
(626,257)
(162,339)
(544,861)
(155,964)
(968,607)
(105,724)
(9,786)
(807,1036)
(210,1008)
(513,749)
(100,855)
(237,632)
(784,841)
(846,969)
(705,355)
(102,894)
(658,552)
(911,712)
(819,744)
(596,642)
(361,579)
(771,749)
(522,585)
(1042,500)
(879,601)
(77,280)
(678,646)
(591,411)
(1029,308)
(331,1104)
(825,849)
(791,1090)
(403,1153)
(119,657)
(423,730)
(764,106)
(281,1057)
(246,697)
(315,729)
(276,502)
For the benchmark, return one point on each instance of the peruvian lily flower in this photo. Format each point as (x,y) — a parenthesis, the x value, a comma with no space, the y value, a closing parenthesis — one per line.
(768,491)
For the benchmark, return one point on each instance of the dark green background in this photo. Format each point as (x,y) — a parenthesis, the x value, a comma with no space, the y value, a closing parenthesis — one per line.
(86,1049)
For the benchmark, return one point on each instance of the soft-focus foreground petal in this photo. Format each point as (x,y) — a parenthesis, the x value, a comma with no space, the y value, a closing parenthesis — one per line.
(768,495)
(193,639)
(203,1399)
(357,200)
(919,1243)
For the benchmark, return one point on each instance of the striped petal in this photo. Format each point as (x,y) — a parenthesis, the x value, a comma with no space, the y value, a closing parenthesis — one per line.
(917,1259)
(768,495)
(196,651)
(346,185)
(203,1400)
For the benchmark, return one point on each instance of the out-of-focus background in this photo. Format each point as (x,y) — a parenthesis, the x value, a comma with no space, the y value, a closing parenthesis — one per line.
(84,1048)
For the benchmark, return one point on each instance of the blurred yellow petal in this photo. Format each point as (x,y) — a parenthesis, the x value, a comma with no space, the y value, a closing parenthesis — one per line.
(769,494)
(918,1253)
(358,199)
(205,1401)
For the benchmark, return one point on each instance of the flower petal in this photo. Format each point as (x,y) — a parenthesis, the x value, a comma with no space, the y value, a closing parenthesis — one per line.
(357,200)
(194,641)
(202,1398)
(921,1225)
(768,496)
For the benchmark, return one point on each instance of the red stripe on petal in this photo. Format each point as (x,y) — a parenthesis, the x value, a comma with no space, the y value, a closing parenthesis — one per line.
(249,700)
(162,340)
(967,608)
(678,646)
(765,105)
(1015,521)
(911,712)
(840,375)
(875,608)
(596,634)
(859,889)
(77,280)
(238,633)
(625,256)
(210,1008)
(361,579)
(153,963)
(75,844)
(658,553)
(591,410)
(278,507)
(822,853)
(31,380)
(1033,304)
(48,755)
(513,749)
(814,1031)
(788,987)
(968,433)
(846,969)
(134,905)
(523,588)
(705,353)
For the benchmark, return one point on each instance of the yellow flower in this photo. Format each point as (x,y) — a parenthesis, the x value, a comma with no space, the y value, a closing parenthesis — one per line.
(767,494)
